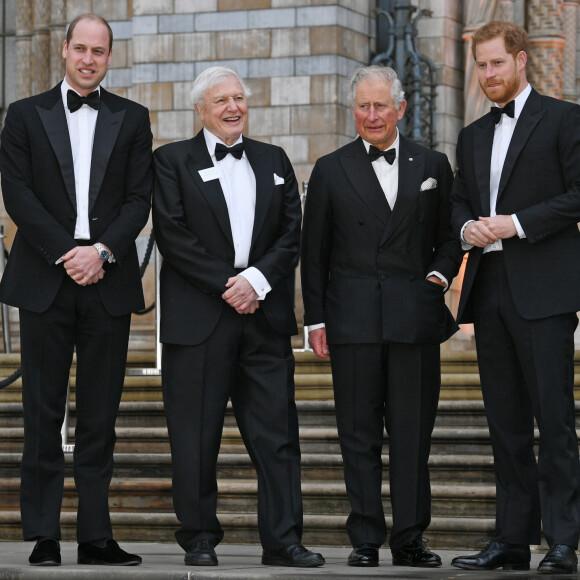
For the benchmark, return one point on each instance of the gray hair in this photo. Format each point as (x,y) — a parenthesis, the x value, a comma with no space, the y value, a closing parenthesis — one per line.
(213,76)
(382,73)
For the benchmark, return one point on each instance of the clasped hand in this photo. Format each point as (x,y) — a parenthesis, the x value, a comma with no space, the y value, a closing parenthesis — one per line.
(488,230)
(241,295)
(83,265)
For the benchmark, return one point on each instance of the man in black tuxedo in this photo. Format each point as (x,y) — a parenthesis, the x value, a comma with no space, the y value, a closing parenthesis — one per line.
(515,205)
(377,255)
(226,214)
(76,181)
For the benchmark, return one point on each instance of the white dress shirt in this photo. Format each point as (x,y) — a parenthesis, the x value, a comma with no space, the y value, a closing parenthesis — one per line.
(502,137)
(81,129)
(238,184)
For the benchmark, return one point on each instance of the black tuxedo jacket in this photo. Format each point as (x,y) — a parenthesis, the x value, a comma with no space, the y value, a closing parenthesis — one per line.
(193,233)
(540,183)
(38,187)
(363,266)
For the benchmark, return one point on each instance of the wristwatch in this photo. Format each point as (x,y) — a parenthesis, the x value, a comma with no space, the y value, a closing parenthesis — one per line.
(104,254)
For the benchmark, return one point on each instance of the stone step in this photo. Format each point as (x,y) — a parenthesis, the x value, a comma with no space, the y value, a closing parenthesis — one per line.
(445,469)
(326,530)
(240,496)
(323,440)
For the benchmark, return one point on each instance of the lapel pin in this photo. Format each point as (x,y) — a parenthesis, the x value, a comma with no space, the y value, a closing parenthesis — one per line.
(410,159)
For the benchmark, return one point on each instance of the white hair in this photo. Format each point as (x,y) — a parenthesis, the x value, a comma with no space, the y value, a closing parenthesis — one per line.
(213,76)
(375,71)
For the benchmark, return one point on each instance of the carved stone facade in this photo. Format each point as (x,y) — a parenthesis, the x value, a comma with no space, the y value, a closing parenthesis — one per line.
(295,55)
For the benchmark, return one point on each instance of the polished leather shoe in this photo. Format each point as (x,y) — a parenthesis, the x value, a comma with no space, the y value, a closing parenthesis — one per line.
(295,555)
(416,554)
(364,555)
(560,559)
(496,555)
(202,553)
(46,552)
(108,555)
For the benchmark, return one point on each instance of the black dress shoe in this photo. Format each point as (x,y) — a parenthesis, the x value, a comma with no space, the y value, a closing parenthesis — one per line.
(364,555)
(496,555)
(295,555)
(560,559)
(108,555)
(416,554)
(202,553)
(45,553)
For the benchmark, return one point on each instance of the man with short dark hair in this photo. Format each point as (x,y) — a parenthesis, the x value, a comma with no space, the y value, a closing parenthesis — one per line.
(226,213)
(76,180)
(516,204)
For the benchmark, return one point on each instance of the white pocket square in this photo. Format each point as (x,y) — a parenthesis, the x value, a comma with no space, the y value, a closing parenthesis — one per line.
(430,183)
(278,180)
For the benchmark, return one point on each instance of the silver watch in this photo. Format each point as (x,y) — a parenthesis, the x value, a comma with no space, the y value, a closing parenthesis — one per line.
(104,254)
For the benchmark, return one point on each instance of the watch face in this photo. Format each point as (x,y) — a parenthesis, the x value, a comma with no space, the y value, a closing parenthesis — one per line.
(104,255)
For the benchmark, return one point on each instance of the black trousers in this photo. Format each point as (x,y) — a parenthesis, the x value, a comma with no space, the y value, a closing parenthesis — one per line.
(394,386)
(248,361)
(527,372)
(78,319)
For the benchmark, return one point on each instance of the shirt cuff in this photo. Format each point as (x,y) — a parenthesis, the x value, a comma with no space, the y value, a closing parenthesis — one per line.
(257,280)
(464,245)
(315,327)
(440,276)
(518,225)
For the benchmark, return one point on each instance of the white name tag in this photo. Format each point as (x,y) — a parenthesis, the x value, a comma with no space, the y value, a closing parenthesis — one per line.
(209,173)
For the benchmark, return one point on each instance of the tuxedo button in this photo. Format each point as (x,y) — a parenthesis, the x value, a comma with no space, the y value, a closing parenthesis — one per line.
(383,277)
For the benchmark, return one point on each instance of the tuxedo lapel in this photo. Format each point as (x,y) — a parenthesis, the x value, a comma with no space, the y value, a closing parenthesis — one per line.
(411,161)
(106,132)
(264,173)
(53,119)
(483,131)
(198,160)
(359,170)
(527,121)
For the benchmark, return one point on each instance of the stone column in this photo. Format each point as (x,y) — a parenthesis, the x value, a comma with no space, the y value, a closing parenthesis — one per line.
(547,41)
(41,47)
(477,13)
(57,37)
(570,25)
(24,23)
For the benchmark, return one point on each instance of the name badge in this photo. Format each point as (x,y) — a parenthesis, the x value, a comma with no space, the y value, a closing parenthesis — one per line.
(209,173)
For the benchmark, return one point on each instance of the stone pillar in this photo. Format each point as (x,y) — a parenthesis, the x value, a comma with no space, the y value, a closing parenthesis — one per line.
(477,13)
(57,37)
(24,23)
(570,25)
(41,47)
(547,41)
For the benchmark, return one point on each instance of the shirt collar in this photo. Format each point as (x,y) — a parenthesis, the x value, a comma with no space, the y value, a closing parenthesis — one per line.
(211,140)
(65,87)
(520,101)
(394,145)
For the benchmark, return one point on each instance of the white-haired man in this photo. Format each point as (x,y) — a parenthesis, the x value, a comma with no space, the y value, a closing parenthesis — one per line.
(377,255)
(227,222)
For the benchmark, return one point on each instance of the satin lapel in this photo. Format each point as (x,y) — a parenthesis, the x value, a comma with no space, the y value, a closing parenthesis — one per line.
(359,170)
(54,122)
(483,131)
(411,173)
(198,159)
(107,129)
(529,118)
(264,173)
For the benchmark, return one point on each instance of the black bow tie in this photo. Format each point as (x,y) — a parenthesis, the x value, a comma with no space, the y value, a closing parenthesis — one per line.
(375,153)
(74,101)
(497,112)
(221,151)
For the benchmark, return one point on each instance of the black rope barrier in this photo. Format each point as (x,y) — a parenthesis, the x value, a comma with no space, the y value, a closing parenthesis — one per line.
(146,258)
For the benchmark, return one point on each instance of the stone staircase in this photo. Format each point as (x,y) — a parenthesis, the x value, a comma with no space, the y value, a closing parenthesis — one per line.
(140,498)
